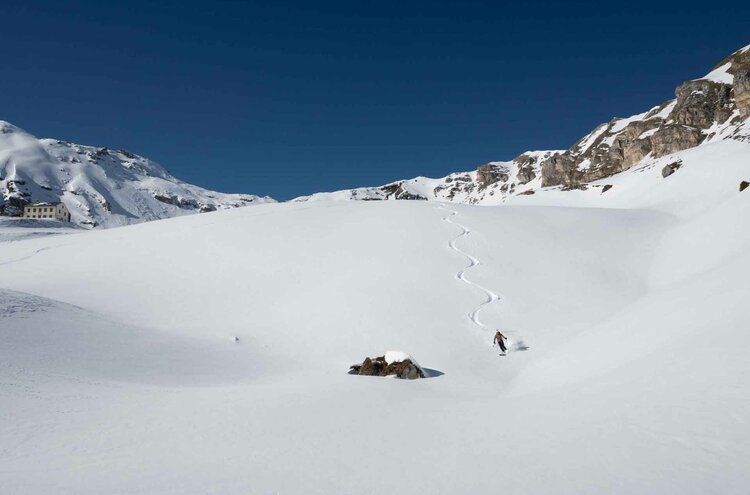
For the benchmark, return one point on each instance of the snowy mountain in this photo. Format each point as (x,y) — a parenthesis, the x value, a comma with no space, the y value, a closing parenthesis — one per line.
(705,110)
(100,187)
(217,361)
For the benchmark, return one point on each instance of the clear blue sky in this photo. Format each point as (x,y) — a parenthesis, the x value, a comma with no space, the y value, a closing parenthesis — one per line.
(288,98)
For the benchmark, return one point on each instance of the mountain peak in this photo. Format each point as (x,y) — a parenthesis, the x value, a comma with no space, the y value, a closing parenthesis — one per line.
(100,186)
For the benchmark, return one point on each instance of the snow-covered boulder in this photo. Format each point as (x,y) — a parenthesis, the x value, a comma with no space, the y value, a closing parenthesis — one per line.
(393,363)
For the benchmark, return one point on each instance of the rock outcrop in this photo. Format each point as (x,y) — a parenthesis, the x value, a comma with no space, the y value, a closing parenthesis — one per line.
(404,367)
(491,173)
(670,169)
(700,106)
(712,107)
(742,92)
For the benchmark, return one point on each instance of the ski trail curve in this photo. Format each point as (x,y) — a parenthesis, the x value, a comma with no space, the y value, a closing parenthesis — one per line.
(28,256)
(490,297)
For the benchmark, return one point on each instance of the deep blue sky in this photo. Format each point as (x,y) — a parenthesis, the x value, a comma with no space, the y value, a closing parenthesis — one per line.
(288,98)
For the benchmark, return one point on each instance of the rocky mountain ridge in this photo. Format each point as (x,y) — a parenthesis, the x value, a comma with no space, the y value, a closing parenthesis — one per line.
(100,187)
(704,110)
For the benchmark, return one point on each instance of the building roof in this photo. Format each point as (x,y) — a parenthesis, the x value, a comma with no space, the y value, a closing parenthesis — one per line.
(45,204)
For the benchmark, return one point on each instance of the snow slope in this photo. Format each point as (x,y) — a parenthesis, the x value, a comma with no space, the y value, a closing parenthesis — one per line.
(100,187)
(120,371)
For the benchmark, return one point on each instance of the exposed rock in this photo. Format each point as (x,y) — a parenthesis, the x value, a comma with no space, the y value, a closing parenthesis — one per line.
(13,206)
(606,188)
(390,189)
(126,153)
(670,169)
(490,173)
(398,191)
(673,126)
(672,138)
(408,196)
(405,369)
(560,169)
(526,163)
(177,201)
(742,92)
(743,185)
(526,174)
(574,187)
(700,103)
(369,367)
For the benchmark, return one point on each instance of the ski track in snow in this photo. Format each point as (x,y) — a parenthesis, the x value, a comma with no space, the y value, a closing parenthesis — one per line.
(491,297)
(28,256)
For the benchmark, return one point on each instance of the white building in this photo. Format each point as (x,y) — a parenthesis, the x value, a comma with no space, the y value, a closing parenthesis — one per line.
(56,211)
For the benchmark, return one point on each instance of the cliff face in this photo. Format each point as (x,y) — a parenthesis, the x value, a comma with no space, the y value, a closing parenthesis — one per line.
(700,109)
(704,110)
(742,92)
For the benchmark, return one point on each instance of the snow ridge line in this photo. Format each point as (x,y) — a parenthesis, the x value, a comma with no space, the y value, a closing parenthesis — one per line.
(461,275)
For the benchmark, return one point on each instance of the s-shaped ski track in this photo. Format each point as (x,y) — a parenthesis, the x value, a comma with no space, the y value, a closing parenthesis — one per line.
(490,296)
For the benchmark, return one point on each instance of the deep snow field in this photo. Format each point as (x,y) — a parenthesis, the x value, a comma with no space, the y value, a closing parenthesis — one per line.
(628,327)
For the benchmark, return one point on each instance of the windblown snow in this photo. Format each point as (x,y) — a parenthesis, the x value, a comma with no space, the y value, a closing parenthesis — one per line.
(208,353)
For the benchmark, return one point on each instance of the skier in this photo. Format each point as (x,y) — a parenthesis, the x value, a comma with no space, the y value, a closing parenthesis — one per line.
(499,340)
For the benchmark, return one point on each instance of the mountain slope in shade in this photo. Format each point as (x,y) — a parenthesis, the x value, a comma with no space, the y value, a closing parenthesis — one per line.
(100,187)
(705,110)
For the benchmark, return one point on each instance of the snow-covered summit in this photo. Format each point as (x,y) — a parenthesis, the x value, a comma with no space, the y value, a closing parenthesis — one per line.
(100,187)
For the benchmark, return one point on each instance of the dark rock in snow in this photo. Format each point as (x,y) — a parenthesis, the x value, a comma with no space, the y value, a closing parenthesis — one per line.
(370,367)
(405,369)
(397,191)
(742,92)
(743,185)
(490,173)
(670,169)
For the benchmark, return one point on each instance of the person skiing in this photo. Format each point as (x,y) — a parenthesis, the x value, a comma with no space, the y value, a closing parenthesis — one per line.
(500,340)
